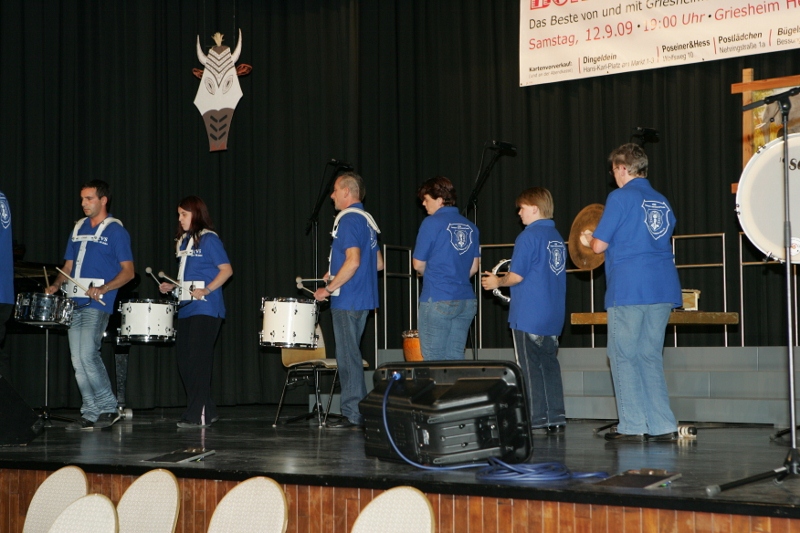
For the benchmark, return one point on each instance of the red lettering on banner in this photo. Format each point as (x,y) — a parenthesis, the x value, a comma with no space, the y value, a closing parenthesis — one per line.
(539,4)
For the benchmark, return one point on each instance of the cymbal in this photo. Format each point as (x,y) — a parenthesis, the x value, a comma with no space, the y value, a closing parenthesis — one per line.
(583,256)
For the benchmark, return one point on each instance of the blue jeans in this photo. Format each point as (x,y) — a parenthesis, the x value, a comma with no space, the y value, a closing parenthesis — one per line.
(635,350)
(85,336)
(443,328)
(348,327)
(537,357)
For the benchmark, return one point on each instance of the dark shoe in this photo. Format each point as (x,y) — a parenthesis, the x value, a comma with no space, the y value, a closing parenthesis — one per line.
(664,437)
(187,424)
(558,429)
(214,420)
(622,437)
(106,420)
(80,424)
(342,424)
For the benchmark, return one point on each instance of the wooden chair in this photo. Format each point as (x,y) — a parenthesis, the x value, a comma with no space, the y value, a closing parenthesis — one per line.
(305,367)
(58,491)
(398,510)
(150,504)
(257,505)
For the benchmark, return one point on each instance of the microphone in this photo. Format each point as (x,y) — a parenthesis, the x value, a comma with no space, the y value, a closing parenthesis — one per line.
(648,135)
(340,164)
(150,273)
(503,147)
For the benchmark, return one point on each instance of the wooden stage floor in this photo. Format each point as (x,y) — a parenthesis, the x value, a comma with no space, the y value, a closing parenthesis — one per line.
(303,454)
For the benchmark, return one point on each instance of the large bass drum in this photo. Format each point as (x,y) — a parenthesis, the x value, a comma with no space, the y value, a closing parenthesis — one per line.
(760,199)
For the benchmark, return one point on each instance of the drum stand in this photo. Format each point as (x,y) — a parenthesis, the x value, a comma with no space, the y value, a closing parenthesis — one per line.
(45,410)
(791,465)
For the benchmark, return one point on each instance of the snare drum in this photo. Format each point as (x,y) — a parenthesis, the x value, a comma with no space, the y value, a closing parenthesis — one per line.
(44,310)
(760,200)
(411,348)
(289,323)
(147,321)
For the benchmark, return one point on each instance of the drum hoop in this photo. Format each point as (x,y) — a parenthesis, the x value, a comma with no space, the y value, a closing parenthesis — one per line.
(148,301)
(280,299)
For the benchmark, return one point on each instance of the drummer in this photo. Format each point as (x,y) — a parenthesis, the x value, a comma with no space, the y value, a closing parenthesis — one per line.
(204,269)
(538,280)
(6,280)
(99,259)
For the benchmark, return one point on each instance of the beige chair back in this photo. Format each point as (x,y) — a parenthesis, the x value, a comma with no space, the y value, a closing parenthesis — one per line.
(257,505)
(398,510)
(150,504)
(58,491)
(94,513)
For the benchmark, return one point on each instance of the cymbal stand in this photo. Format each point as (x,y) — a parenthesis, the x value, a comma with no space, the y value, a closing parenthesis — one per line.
(791,465)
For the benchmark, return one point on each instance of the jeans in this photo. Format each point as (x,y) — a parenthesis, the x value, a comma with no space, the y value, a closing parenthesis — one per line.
(85,337)
(537,357)
(348,326)
(635,350)
(443,328)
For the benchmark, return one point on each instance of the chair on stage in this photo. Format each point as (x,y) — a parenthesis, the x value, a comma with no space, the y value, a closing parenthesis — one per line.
(150,504)
(256,505)
(56,493)
(398,510)
(305,367)
(94,513)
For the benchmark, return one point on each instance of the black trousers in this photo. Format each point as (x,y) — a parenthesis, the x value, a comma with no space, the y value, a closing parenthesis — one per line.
(196,336)
(5,366)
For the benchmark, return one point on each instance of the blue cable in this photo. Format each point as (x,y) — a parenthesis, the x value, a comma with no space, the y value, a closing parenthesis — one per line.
(495,469)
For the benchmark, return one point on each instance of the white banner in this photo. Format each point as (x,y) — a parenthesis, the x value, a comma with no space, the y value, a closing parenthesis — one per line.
(569,39)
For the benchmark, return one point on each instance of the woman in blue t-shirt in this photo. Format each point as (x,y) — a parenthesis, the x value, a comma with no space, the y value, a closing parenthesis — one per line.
(204,269)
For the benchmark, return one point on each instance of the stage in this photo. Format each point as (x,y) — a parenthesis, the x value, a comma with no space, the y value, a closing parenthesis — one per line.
(328,478)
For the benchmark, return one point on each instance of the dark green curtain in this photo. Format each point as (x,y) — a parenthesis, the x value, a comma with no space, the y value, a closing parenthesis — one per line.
(404,90)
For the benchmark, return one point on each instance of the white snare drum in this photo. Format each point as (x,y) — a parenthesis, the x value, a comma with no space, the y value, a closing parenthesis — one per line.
(147,321)
(760,199)
(44,310)
(289,323)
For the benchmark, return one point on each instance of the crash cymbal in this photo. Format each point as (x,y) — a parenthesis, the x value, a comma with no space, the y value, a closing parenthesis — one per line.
(583,256)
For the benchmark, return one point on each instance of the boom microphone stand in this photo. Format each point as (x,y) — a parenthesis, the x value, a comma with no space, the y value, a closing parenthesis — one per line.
(791,465)
(500,149)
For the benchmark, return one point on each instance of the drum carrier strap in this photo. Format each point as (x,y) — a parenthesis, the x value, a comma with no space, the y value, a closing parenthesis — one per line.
(188,252)
(343,212)
(84,239)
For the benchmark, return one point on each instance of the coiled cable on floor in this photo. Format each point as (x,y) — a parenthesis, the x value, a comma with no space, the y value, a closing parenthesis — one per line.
(494,470)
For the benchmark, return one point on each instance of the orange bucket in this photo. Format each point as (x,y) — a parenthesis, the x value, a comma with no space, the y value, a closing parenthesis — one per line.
(411,348)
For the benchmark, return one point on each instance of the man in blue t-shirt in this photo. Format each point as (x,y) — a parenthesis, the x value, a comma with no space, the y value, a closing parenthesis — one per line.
(352,286)
(446,254)
(635,233)
(100,260)
(538,280)
(6,279)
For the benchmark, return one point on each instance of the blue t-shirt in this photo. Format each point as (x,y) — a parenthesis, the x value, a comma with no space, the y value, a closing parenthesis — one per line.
(6,253)
(538,302)
(102,259)
(361,291)
(637,224)
(203,265)
(449,244)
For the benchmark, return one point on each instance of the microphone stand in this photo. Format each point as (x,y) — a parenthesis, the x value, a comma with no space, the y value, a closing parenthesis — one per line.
(791,465)
(313,220)
(483,175)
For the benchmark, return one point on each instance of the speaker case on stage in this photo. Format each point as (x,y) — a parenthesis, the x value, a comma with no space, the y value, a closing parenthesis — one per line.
(449,412)
(19,424)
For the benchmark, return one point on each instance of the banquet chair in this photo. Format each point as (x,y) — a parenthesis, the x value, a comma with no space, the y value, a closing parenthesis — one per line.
(60,489)
(94,513)
(398,510)
(150,504)
(256,505)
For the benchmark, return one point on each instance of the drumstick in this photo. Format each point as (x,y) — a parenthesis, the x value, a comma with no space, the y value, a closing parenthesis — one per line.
(46,280)
(298,279)
(162,275)
(312,292)
(150,272)
(79,285)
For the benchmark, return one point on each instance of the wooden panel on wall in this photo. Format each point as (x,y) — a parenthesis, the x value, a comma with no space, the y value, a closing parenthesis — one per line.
(334,510)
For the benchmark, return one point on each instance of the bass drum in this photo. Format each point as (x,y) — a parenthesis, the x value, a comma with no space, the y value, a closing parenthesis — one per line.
(760,199)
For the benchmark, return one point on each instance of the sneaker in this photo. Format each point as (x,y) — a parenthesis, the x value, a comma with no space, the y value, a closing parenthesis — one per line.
(186,424)
(664,437)
(558,429)
(80,424)
(622,437)
(106,420)
(342,424)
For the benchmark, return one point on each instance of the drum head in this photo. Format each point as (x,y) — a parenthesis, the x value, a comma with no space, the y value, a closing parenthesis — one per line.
(760,199)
